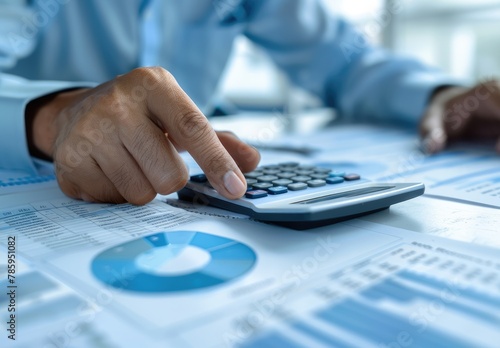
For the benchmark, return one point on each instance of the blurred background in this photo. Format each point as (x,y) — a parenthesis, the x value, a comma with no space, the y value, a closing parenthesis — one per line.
(459,36)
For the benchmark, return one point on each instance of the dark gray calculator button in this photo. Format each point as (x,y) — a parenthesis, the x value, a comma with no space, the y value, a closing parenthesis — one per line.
(334,180)
(271,166)
(297,186)
(289,164)
(351,177)
(301,178)
(256,194)
(303,172)
(319,176)
(316,183)
(282,182)
(288,169)
(251,182)
(253,175)
(286,175)
(267,178)
(262,185)
(306,167)
(320,170)
(198,178)
(271,171)
(277,190)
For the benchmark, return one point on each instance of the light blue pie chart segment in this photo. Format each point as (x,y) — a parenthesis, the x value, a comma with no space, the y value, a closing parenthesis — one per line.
(118,266)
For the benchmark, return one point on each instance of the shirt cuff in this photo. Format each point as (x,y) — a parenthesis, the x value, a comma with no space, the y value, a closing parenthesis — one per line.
(411,98)
(15,94)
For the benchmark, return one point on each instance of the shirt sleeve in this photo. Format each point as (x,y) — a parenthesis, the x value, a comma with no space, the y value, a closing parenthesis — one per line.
(15,94)
(328,57)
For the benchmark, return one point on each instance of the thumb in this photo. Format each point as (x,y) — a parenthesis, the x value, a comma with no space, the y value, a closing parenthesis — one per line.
(432,131)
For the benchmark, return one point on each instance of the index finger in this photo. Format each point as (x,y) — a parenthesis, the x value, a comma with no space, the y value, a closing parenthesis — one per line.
(181,119)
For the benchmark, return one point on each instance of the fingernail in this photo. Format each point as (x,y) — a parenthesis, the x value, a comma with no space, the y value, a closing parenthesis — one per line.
(233,184)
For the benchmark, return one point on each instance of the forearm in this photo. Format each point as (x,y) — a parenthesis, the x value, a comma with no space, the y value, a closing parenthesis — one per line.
(331,59)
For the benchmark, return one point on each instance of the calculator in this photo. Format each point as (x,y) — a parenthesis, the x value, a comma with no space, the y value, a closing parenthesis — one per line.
(303,196)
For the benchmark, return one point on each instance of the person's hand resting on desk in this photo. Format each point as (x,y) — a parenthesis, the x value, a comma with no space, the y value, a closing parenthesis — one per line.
(131,144)
(458,113)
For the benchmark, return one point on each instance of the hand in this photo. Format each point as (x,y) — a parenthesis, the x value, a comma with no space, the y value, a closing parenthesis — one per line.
(457,113)
(119,141)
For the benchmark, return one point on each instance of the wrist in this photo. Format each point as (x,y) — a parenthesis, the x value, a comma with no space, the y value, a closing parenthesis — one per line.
(42,121)
(442,95)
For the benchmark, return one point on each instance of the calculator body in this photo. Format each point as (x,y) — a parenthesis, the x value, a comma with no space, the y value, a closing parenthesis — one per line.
(314,207)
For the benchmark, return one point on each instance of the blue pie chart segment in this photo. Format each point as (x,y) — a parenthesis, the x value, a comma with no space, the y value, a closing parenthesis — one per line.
(137,265)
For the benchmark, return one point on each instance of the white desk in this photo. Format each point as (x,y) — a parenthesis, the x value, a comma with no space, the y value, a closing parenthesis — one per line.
(61,279)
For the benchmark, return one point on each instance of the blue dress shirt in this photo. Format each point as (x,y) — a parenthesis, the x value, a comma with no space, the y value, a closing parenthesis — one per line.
(51,45)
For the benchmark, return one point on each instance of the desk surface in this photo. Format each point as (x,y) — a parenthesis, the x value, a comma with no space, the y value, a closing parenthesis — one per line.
(66,243)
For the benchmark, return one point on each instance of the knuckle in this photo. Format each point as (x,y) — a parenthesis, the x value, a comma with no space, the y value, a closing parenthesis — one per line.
(108,193)
(133,189)
(154,73)
(121,178)
(140,136)
(214,162)
(68,189)
(142,198)
(193,126)
(177,179)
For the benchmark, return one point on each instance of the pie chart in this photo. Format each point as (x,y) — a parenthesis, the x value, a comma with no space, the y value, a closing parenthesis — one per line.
(173,262)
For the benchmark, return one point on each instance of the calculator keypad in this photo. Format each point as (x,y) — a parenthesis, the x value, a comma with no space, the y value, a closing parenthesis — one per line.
(281,178)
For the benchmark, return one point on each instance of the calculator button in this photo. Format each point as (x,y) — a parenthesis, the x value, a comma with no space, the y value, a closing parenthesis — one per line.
(267,178)
(301,178)
(336,173)
(262,185)
(288,169)
(334,180)
(253,175)
(289,164)
(286,175)
(277,190)
(198,178)
(282,182)
(351,177)
(319,176)
(271,171)
(321,170)
(208,184)
(303,172)
(251,182)
(255,194)
(306,167)
(271,166)
(316,183)
(297,186)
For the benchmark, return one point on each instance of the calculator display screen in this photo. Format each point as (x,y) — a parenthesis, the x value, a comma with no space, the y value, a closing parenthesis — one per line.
(351,193)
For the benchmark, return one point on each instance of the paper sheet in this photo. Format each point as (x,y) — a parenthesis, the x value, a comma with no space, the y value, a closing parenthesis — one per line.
(234,282)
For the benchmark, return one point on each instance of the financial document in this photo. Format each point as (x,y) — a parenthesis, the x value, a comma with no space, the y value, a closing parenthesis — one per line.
(119,275)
